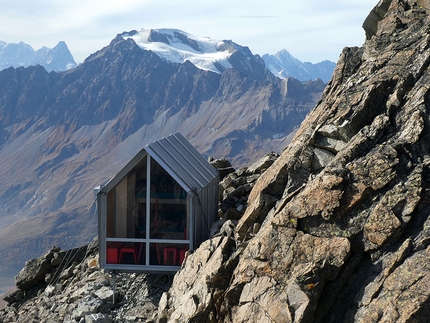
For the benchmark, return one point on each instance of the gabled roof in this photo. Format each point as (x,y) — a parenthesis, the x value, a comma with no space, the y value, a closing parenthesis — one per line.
(183,162)
(179,158)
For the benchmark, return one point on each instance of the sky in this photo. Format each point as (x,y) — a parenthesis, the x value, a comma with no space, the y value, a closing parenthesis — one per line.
(311,30)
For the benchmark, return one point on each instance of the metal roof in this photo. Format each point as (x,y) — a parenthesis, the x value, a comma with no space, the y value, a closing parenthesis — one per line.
(179,158)
(183,162)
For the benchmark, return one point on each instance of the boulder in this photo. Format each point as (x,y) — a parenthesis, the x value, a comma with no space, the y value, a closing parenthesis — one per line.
(97,318)
(223,166)
(14,296)
(35,270)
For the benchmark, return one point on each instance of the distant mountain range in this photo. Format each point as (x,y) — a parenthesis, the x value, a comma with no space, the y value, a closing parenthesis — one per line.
(215,55)
(284,65)
(63,133)
(58,58)
(167,43)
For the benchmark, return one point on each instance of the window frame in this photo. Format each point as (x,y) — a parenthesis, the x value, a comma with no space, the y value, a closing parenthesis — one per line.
(147,240)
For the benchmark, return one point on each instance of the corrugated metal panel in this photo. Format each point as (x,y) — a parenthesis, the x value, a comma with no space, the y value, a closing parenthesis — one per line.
(175,154)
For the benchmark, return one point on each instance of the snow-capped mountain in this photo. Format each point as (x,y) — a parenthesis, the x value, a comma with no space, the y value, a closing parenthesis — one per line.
(57,59)
(177,46)
(284,65)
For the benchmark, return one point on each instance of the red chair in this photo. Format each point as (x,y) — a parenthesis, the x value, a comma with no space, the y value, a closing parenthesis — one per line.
(113,253)
(132,249)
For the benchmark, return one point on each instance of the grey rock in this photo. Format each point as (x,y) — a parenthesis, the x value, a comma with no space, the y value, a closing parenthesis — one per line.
(105,294)
(97,318)
(330,138)
(370,25)
(87,306)
(262,164)
(15,296)
(322,158)
(223,166)
(35,270)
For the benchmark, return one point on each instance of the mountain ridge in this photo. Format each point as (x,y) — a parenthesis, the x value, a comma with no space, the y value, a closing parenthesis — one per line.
(175,46)
(284,65)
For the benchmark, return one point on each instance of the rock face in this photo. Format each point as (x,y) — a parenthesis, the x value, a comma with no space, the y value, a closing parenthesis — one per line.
(344,215)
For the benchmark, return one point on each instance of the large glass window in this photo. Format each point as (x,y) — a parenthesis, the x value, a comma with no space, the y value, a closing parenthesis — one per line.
(126,209)
(147,229)
(168,206)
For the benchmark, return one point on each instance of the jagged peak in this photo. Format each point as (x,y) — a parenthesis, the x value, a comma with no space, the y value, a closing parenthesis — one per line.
(284,65)
(61,45)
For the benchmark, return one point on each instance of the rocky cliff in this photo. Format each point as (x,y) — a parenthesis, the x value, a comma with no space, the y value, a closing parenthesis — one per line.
(344,211)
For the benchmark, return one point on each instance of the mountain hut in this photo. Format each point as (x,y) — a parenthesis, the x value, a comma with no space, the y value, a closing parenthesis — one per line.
(159,206)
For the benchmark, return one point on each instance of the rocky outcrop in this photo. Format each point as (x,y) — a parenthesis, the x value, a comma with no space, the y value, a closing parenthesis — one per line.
(76,290)
(218,256)
(235,186)
(35,270)
(343,211)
